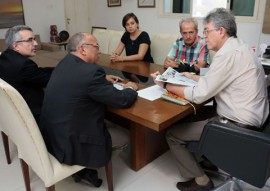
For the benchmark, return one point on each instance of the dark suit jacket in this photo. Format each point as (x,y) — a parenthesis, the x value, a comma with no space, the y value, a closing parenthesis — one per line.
(72,120)
(25,76)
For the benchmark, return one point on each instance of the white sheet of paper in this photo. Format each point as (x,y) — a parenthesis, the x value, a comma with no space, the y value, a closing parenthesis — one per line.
(118,86)
(265,61)
(211,103)
(151,93)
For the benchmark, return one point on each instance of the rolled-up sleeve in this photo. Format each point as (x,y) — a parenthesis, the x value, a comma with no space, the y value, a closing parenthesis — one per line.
(211,84)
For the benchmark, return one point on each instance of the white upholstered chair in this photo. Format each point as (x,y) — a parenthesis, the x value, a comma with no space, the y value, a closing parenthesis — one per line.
(6,146)
(103,37)
(95,28)
(115,38)
(161,44)
(18,123)
(108,39)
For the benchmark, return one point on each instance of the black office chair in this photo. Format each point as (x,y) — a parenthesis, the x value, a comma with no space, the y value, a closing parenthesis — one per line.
(243,153)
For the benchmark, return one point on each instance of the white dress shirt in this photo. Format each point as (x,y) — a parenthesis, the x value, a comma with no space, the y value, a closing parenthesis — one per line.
(237,81)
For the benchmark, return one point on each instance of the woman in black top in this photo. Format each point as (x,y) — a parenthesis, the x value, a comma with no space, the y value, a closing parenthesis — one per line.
(136,42)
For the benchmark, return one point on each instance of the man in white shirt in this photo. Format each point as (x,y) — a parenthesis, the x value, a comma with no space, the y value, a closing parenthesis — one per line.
(235,79)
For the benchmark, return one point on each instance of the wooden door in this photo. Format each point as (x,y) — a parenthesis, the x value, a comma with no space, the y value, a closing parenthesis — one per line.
(77,16)
(266,22)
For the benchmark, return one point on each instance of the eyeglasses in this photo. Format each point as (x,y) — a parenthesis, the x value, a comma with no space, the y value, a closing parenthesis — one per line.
(186,33)
(29,40)
(206,31)
(94,45)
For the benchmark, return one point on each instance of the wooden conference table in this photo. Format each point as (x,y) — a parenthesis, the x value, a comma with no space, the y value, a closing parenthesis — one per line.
(147,120)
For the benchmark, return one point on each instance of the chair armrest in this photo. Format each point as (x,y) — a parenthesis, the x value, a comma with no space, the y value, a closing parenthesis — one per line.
(238,132)
(49,47)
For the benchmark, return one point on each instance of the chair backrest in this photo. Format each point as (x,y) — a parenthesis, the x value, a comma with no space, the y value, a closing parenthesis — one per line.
(161,44)
(243,153)
(115,38)
(17,121)
(95,27)
(103,37)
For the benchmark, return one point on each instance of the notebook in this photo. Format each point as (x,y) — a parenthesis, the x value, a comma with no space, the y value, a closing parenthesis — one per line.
(174,98)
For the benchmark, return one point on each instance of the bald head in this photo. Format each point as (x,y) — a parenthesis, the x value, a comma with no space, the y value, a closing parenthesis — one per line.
(84,46)
(77,40)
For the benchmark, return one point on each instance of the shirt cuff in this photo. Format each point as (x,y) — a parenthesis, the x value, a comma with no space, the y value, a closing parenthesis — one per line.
(188,93)
(130,87)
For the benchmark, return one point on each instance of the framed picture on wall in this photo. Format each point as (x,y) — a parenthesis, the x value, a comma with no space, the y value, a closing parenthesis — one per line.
(114,3)
(11,13)
(146,3)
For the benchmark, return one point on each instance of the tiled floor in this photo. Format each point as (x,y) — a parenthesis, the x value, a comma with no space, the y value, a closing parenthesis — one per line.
(160,175)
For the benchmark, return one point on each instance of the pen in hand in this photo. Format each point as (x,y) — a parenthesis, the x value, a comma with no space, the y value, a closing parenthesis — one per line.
(179,61)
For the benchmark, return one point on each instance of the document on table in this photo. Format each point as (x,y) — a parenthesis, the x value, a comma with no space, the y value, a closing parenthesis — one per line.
(172,76)
(119,86)
(152,93)
(265,61)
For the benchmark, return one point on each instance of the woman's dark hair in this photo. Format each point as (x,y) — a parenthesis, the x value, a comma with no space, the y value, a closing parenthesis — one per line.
(127,17)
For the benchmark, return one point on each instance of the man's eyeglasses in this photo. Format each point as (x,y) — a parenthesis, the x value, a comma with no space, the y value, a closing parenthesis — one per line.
(94,45)
(29,40)
(206,31)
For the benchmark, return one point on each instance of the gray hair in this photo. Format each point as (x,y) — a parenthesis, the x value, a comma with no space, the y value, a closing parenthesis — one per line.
(13,35)
(221,17)
(189,20)
(75,41)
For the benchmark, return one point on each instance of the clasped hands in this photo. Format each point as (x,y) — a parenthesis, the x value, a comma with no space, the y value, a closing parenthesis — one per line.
(116,79)
(116,57)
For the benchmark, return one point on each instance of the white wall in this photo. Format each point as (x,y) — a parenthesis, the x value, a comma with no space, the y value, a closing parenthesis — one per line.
(150,21)
(40,14)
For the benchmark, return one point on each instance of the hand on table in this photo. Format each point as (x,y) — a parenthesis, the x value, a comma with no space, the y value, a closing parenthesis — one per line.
(170,63)
(131,85)
(113,79)
(115,57)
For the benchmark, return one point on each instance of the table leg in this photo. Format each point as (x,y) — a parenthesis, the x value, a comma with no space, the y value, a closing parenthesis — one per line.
(146,145)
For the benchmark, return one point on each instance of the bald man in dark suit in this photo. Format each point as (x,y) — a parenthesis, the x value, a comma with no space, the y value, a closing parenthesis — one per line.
(76,98)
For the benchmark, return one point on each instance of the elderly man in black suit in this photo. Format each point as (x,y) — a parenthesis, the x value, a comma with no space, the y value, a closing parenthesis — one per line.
(72,121)
(21,72)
